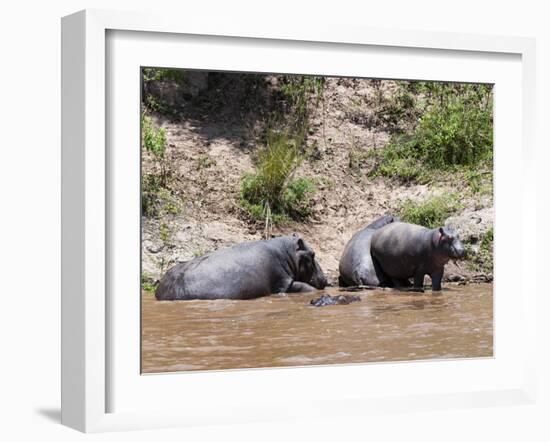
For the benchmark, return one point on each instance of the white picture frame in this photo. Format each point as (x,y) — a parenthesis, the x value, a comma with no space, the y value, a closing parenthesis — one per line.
(87,355)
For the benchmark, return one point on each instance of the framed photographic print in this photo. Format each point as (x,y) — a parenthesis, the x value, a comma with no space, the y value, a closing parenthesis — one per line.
(251,213)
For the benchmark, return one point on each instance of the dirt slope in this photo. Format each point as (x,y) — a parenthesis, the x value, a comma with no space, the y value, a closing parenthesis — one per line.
(211,150)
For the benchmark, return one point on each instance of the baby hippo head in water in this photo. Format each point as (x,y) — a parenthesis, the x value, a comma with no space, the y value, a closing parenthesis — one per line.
(309,270)
(446,240)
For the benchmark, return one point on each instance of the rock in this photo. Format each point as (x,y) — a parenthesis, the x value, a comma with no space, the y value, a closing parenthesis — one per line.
(482,277)
(219,232)
(334,300)
(472,225)
(150,266)
(455,272)
(456,278)
(153,248)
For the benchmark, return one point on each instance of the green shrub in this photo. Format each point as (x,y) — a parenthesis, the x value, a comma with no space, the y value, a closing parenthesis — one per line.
(296,91)
(296,197)
(399,111)
(272,191)
(164,74)
(292,203)
(152,101)
(156,198)
(479,181)
(151,201)
(260,212)
(487,240)
(148,283)
(430,213)
(157,201)
(154,140)
(393,162)
(455,130)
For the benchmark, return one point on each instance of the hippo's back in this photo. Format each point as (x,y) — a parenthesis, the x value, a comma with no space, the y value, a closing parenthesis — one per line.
(242,271)
(395,236)
(356,266)
(399,248)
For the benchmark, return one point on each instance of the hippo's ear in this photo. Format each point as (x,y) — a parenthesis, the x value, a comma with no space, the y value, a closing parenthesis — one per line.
(442,236)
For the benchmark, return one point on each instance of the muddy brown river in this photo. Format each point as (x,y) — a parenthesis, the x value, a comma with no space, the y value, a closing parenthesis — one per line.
(284,330)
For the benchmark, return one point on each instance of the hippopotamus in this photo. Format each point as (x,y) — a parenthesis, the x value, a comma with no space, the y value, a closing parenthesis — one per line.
(334,300)
(404,251)
(245,271)
(356,266)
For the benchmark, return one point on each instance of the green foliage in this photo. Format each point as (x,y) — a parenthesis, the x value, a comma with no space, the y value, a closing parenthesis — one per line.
(272,193)
(455,129)
(481,260)
(164,74)
(297,90)
(276,163)
(148,283)
(156,198)
(154,104)
(151,200)
(296,197)
(400,110)
(156,75)
(292,203)
(432,212)
(479,181)
(487,241)
(154,140)
(157,201)
(394,163)
(164,233)
(272,190)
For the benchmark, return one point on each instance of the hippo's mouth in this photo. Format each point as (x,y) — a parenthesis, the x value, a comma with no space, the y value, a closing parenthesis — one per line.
(458,253)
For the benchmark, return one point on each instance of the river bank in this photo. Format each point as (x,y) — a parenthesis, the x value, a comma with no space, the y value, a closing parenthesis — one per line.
(210,147)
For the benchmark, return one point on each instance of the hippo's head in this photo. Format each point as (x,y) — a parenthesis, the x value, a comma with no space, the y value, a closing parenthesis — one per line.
(309,270)
(448,243)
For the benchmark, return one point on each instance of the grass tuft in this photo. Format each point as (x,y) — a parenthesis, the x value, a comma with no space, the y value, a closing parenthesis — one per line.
(272,191)
(430,213)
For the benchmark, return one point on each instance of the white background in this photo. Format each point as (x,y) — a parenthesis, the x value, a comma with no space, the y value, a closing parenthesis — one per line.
(29,220)
(260,391)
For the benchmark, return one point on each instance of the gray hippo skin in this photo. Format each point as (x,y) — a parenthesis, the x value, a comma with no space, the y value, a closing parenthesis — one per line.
(245,271)
(406,251)
(356,266)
